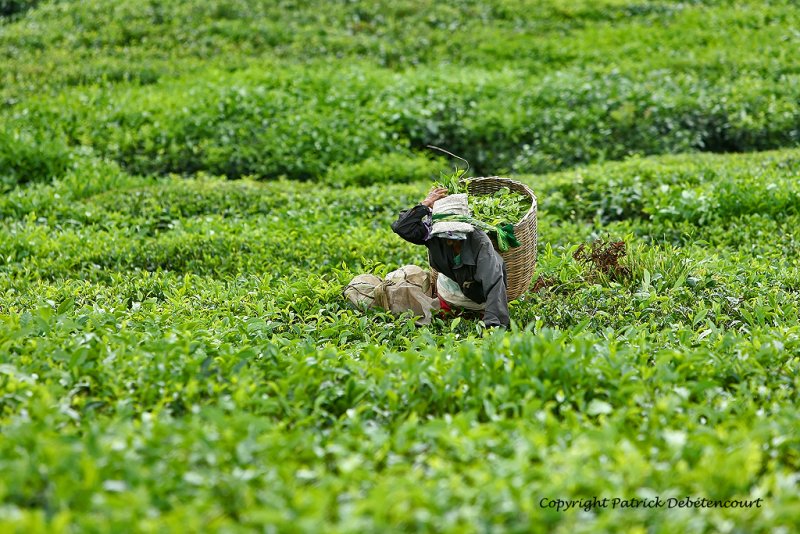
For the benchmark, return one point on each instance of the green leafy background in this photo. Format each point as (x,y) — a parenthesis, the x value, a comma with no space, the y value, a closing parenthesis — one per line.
(187,186)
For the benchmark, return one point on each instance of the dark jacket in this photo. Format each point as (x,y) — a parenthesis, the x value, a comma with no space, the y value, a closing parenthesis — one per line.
(482,273)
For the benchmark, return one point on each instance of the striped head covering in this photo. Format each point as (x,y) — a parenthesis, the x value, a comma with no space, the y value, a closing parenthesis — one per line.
(451,229)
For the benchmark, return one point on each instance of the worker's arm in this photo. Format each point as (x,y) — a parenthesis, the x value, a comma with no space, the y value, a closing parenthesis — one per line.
(414,225)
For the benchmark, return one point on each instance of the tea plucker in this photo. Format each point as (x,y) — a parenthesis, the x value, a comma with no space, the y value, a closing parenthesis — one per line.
(472,274)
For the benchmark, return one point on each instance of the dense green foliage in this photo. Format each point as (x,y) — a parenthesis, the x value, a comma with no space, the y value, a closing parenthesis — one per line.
(240,88)
(13,8)
(186,354)
(175,352)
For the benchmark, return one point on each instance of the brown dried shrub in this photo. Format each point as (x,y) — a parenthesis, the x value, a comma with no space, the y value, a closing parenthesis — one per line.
(603,257)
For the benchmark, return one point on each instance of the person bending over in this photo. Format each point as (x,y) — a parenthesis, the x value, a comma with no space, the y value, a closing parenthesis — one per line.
(472,274)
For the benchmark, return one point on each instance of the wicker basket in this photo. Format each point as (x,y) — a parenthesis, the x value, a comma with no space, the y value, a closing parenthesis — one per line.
(520,261)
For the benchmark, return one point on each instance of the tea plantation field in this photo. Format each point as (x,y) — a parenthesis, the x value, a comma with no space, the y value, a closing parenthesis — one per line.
(187,187)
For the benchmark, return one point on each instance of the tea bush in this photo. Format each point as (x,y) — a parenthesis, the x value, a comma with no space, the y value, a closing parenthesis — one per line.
(13,8)
(29,157)
(175,350)
(181,347)
(253,90)
(271,124)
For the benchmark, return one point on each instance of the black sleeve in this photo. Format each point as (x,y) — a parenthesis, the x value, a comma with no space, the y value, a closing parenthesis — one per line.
(412,225)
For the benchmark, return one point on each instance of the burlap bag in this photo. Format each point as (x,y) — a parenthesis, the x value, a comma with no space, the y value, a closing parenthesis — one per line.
(406,289)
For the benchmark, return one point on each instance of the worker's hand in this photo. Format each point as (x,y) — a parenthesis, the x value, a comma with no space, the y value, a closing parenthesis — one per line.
(435,194)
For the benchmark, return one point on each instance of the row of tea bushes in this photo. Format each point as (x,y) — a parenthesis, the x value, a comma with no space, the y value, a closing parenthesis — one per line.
(361,125)
(67,42)
(308,90)
(228,385)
